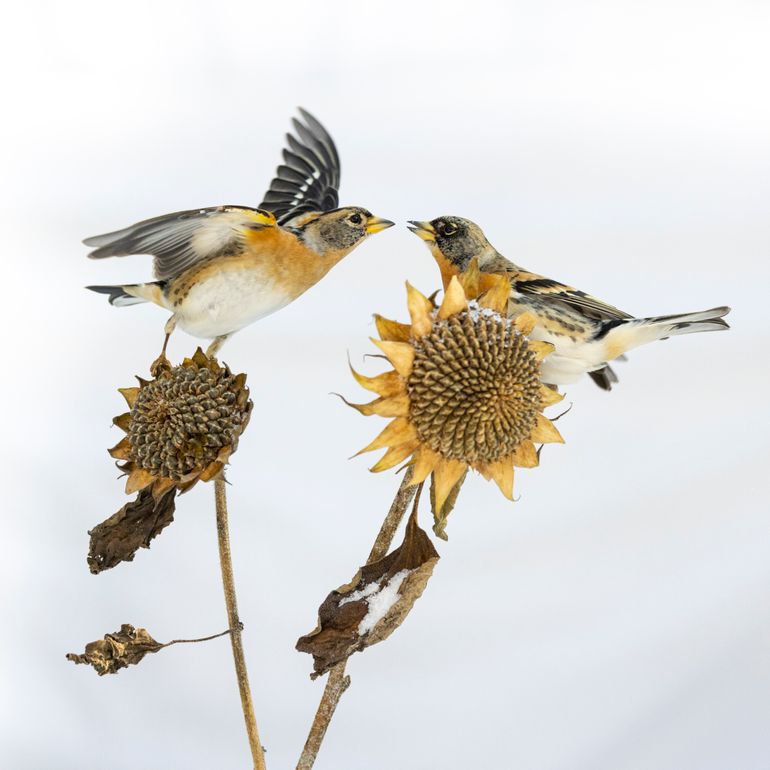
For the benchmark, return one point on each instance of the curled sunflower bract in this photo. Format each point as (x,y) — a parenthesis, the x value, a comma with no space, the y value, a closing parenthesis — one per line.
(465,389)
(183,425)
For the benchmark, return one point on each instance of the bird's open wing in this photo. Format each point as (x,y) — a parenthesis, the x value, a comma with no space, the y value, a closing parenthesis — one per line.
(536,285)
(309,178)
(179,240)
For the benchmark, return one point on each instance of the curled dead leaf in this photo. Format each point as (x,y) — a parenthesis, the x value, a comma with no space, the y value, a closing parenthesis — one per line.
(133,527)
(127,647)
(374,604)
(121,649)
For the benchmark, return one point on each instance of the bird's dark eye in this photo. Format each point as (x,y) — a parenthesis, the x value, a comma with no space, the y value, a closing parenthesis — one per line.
(355,219)
(447,229)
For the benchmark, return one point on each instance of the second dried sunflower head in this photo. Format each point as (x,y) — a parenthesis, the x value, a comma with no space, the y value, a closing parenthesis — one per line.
(182,426)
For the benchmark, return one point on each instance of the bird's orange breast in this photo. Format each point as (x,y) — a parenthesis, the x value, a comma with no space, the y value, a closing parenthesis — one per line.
(277,256)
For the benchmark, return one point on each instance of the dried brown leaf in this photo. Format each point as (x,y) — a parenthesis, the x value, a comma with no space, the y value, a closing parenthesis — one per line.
(374,604)
(133,527)
(124,648)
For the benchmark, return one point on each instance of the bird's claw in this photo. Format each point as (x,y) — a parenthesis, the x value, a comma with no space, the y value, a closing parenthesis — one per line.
(160,365)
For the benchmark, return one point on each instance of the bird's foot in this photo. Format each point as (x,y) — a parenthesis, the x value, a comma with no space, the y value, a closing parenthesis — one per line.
(160,365)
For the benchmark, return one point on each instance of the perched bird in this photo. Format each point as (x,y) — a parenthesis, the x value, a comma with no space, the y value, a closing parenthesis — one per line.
(219,269)
(586,332)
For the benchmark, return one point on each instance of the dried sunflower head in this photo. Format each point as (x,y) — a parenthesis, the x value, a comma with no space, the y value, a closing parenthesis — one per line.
(465,391)
(183,425)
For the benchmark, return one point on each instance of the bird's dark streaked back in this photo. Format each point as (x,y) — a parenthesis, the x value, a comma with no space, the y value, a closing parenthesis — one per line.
(586,332)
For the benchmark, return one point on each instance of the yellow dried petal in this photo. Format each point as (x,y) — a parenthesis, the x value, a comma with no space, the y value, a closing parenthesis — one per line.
(496,298)
(130,394)
(501,473)
(394,456)
(545,432)
(397,406)
(525,455)
(400,354)
(160,487)
(525,323)
(445,475)
(392,330)
(121,450)
(549,396)
(122,421)
(200,358)
(187,483)
(454,300)
(425,461)
(396,432)
(541,349)
(212,470)
(223,455)
(138,479)
(420,308)
(385,384)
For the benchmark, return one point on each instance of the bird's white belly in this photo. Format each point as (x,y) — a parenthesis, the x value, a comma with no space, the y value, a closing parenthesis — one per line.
(227,301)
(570,359)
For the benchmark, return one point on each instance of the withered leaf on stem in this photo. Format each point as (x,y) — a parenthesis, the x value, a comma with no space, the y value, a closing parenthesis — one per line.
(133,527)
(374,604)
(123,648)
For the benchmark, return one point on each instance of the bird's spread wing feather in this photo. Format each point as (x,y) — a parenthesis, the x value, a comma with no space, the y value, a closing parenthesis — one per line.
(536,285)
(309,178)
(180,240)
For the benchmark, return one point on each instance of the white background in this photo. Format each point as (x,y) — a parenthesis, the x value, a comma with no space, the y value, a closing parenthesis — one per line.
(616,616)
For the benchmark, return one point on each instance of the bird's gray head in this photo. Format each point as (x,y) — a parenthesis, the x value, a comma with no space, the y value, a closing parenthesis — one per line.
(338,232)
(455,240)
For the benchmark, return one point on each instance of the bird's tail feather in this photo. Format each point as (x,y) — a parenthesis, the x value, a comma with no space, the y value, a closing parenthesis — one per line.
(129,294)
(706,320)
(624,334)
(604,377)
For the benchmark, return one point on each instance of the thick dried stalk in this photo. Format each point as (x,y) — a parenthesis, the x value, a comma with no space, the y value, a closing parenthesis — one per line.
(228,582)
(337,682)
(393,519)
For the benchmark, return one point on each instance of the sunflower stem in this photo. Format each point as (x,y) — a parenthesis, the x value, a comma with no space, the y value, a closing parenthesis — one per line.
(235,626)
(337,682)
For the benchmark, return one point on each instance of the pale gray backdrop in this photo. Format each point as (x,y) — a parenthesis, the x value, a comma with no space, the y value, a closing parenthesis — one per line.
(616,617)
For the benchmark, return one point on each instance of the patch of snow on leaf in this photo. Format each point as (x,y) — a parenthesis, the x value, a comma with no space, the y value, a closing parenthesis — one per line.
(381,602)
(380,598)
(356,596)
